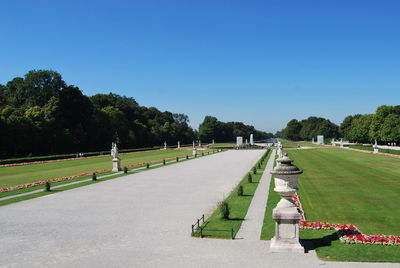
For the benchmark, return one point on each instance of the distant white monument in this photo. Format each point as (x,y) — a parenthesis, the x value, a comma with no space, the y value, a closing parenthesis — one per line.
(376,149)
(341,143)
(179,144)
(239,141)
(246,142)
(333,142)
(213,142)
(194,145)
(165,145)
(116,161)
(251,139)
(199,143)
(312,140)
(320,139)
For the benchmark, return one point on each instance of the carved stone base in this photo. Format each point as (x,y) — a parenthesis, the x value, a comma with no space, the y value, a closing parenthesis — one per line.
(116,165)
(376,151)
(286,231)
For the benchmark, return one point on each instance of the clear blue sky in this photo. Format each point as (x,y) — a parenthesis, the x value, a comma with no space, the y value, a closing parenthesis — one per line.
(260,62)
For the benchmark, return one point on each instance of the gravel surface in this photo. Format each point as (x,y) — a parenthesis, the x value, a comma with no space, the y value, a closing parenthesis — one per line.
(141,220)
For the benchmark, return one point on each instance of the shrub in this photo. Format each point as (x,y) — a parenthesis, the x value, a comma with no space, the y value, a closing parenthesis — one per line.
(187,157)
(147,165)
(94,177)
(254,170)
(177,159)
(163,161)
(224,210)
(202,154)
(47,186)
(249,178)
(240,190)
(125,170)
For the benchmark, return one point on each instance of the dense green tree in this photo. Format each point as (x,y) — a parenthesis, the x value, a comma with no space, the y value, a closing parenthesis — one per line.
(292,130)
(212,129)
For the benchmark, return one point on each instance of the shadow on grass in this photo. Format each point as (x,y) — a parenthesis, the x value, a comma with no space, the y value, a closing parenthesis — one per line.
(314,243)
(235,219)
(247,195)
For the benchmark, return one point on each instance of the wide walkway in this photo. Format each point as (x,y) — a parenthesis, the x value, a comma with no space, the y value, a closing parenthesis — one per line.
(141,220)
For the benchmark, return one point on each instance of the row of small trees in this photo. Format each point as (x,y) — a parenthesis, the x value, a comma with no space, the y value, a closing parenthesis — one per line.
(383,125)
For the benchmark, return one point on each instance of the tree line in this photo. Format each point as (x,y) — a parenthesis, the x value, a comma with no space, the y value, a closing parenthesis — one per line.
(383,125)
(40,114)
(212,129)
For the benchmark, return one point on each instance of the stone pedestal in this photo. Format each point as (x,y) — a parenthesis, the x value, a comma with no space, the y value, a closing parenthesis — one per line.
(285,213)
(286,237)
(116,164)
(376,150)
(194,151)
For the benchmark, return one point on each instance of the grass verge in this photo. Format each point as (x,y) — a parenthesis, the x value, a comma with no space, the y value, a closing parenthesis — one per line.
(238,206)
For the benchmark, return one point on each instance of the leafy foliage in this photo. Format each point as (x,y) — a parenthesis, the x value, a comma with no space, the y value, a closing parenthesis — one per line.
(212,129)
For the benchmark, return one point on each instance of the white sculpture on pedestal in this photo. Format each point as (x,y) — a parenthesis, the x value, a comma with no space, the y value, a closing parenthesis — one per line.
(194,151)
(179,144)
(376,149)
(341,143)
(165,145)
(280,152)
(194,145)
(213,142)
(285,214)
(251,139)
(333,142)
(116,161)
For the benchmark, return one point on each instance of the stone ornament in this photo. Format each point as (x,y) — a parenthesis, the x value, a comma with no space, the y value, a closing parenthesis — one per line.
(285,214)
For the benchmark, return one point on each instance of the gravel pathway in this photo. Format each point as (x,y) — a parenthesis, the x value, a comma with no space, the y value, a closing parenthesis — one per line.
(140,220)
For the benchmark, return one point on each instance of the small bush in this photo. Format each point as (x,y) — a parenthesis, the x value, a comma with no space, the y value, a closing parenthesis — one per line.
(254,170)
(259,165)
(147,165)
(177,159)
(163,162)
(125,170)
(240,190)
(224,210)
(94,177)
(187,157)
(202,154)
(47,186)
(249,178)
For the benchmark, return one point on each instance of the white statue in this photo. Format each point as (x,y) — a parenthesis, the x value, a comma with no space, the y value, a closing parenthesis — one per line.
(114,150)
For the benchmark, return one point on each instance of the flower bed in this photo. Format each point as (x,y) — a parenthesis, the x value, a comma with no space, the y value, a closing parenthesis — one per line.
(348,233)
(33,184)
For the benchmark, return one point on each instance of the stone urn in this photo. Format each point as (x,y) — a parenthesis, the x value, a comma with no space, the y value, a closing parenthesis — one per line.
(285,214)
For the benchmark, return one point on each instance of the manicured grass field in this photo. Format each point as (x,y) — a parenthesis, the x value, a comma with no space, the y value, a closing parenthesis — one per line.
(296,144)
(343,186)
(238,207)
(10,176)
(221,145)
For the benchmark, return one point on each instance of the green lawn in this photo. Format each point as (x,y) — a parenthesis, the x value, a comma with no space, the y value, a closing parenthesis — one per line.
(296,144)
(10,176)
(221,145)
(343,186)
(238,207)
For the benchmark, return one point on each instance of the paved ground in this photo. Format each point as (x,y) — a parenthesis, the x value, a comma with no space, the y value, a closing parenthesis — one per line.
(141,220)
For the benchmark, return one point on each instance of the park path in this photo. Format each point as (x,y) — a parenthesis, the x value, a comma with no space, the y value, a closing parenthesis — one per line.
(140,220)
(252,225)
